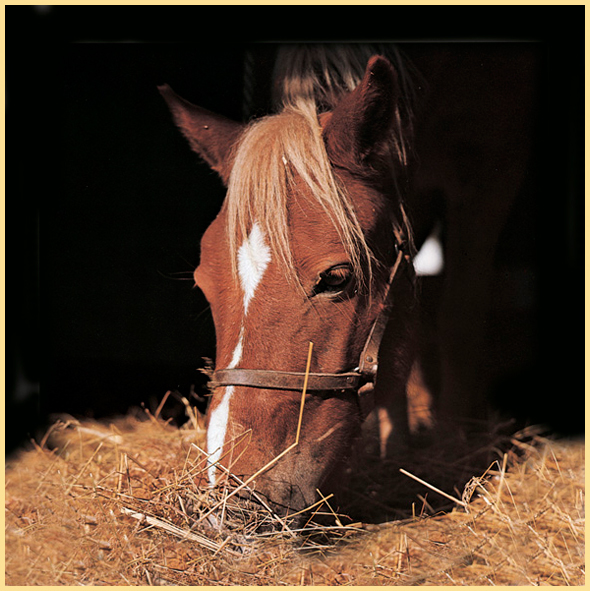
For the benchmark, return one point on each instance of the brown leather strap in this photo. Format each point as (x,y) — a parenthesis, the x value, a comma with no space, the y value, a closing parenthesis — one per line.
(285,380)
(369,360)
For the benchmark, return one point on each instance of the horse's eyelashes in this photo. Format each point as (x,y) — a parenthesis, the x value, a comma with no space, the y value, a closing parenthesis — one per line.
(337,275)
(334,280)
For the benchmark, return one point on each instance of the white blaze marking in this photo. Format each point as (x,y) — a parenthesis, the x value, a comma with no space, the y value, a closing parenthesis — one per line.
(237,354)
(216,433)
(253,259)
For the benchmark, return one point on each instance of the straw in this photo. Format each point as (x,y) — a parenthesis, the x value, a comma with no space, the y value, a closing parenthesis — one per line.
(434,488)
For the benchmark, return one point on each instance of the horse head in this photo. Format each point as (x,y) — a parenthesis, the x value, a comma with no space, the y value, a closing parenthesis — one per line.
(302,251)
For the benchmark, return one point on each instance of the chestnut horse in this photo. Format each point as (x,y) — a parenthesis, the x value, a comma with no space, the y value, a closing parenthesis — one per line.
(311,245)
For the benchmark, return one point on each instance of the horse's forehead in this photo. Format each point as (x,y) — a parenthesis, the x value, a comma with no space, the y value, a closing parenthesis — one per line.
(306,214)
(314,235)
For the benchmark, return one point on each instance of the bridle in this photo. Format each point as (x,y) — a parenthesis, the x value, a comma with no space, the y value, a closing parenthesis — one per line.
(362,380)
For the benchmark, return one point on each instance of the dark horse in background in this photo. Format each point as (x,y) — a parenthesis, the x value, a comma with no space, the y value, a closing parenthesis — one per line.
(366,153)
(473,142)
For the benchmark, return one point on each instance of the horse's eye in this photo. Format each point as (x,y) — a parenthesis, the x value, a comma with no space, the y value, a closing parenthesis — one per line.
(334,280)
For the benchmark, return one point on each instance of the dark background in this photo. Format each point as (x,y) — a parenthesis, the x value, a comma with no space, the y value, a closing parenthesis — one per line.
(106,204)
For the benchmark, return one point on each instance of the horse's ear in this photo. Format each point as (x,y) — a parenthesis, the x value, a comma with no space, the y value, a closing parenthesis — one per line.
(359,128)
(210,135)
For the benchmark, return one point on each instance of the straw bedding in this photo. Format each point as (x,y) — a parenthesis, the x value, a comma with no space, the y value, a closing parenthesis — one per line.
(120,503)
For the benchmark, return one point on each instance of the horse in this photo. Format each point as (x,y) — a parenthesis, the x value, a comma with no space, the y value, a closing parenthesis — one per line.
(311,245)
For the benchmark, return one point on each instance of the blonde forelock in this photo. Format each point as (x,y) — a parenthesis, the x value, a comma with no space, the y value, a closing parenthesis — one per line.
(272,151)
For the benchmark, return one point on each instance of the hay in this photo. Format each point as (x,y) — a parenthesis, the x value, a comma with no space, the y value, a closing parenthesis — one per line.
(123,504)
(522,527)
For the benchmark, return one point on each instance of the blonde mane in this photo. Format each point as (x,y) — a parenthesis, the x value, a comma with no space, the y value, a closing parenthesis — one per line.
(273,149)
